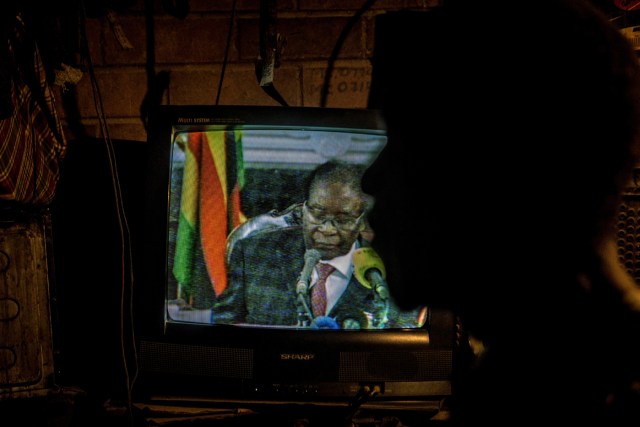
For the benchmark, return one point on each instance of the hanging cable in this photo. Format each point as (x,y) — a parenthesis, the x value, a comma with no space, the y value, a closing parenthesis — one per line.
(123,226)
(338,46)
(226,50)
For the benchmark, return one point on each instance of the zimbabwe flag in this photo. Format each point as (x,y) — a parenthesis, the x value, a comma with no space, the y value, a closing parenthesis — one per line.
(209,205)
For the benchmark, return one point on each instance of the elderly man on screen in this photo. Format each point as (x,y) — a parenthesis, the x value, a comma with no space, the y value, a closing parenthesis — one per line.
(304,275)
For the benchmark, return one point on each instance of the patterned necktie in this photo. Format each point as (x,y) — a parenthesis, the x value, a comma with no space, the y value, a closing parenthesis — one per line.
(319,291)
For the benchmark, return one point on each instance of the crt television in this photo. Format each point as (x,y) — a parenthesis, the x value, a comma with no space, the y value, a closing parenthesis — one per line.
(210,169)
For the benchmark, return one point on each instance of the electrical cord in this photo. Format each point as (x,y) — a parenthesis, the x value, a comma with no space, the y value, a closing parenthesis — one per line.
(123,226)
(226,50)
(338,46)
(366,393)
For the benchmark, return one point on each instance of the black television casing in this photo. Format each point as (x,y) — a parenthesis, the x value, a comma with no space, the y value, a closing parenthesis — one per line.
(184,359)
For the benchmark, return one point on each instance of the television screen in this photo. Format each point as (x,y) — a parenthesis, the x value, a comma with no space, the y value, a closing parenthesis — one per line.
(225,305)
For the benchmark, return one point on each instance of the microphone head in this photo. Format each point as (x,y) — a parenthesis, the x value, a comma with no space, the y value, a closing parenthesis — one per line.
(312,255)
(366,260)
(311,258)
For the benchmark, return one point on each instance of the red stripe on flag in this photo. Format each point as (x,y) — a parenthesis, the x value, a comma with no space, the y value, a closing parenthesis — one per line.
(213,211)
(237,217)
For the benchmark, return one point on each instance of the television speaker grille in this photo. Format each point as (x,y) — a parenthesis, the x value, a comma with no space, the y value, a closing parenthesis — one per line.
(426,365)
(196,360)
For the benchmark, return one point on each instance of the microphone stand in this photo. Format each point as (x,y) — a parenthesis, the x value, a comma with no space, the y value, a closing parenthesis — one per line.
(304,313)
(382,313)
(382,304)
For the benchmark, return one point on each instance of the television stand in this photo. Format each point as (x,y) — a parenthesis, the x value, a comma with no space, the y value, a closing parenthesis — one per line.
(175,410)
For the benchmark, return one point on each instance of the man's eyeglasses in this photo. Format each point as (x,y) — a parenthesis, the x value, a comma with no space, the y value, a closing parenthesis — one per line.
(341,221)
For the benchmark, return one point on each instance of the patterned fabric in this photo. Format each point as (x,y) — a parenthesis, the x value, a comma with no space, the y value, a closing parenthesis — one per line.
(319,290)
(32,142)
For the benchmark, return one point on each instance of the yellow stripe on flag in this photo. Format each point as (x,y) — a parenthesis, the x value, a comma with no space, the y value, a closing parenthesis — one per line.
(187,233)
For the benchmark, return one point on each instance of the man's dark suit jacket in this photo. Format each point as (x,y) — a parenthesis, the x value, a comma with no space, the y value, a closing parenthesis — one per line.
(263,272)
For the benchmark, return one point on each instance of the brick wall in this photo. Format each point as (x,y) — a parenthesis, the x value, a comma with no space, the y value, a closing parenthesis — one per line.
(190,52)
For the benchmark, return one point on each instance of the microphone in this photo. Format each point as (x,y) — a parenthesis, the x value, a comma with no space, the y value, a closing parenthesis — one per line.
(324,322)
(370,272)
(311,258)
